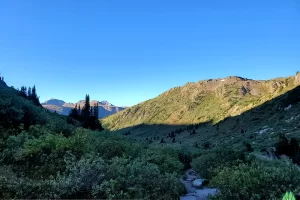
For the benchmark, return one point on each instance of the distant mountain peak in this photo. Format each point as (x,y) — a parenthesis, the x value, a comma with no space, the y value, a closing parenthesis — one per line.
(61,107)
(106,103)
(54,101)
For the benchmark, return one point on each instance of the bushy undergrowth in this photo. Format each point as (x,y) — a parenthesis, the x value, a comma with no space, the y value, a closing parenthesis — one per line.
(87,165)
(238,176)
(256,181)
(210,160)
(44,157)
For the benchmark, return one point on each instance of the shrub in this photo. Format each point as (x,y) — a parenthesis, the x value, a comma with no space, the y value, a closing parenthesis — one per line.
(210,160)
(138,179)
(282,146)
(256,181)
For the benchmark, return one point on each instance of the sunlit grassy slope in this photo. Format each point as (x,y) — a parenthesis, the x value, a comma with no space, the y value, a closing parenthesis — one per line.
(208,100)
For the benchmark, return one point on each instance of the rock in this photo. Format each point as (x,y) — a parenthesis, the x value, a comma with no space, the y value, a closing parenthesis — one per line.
(287,108)
(207,192)
(271,153)
(198,183)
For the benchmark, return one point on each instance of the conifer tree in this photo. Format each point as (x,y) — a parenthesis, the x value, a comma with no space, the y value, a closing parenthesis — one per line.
(96,110)
(86,112)
(74,113)
(34,98)
(91,111)
(86,108)
(23,92)
(88,116)
(29,93)
(79,110)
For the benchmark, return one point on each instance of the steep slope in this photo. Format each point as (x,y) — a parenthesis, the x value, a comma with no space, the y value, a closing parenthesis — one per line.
(260,127)
(63,108)
(204,101)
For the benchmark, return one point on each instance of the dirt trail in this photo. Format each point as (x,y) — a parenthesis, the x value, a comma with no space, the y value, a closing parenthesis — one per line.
(192,192)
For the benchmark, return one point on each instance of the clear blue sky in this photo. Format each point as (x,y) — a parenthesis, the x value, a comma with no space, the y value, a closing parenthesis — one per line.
(127,51)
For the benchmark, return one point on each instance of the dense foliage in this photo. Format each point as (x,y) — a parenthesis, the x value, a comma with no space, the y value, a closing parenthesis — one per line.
(42,156)
(47,156)
(210,160)
(289,148)
(257,181)
(238,176)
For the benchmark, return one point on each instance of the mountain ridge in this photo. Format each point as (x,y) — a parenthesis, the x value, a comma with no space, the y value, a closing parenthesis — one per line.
(64,108)
(205,100)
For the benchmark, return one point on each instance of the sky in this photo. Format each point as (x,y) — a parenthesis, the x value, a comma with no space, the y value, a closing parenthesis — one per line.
(128,51)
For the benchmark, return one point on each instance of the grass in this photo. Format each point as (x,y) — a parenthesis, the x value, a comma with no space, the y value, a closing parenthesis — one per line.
(201,102)
(216,120)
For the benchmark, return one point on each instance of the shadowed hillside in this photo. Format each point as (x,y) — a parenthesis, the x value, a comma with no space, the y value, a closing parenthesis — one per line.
(259,126)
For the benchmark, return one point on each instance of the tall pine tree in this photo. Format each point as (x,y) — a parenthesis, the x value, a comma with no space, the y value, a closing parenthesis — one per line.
(86,113)
(74,113)
(96,110)
(23,92)
(29,93)
(88,116)
(34,98)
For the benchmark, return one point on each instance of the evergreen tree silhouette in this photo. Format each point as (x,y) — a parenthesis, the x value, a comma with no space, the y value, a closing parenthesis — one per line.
(74,113)
(34,98)
(29,93)
(88,116)
(79,110)
(91,111)
(96,110)
(23,92)
(86,112)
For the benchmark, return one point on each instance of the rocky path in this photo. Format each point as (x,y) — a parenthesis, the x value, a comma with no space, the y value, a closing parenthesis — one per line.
(194,193)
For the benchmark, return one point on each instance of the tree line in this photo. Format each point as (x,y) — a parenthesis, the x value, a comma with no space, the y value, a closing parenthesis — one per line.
(87,116)
(30,94)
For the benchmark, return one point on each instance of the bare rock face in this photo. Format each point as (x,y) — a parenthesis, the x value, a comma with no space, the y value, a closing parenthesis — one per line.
(243,91)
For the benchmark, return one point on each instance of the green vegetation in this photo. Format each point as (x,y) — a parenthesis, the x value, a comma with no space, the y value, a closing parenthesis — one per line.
(257,180)
(204,101)
(88,116)
(42,156)
(240,176)
(211,160)
(291,149)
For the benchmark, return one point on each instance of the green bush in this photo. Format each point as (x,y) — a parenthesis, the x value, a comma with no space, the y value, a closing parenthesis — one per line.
(206,164)
(138,179)
(256,181)
(166,159)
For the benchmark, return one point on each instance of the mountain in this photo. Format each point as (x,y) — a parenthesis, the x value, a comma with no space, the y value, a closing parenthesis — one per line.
(61,107)
(203,101)
(233,111)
